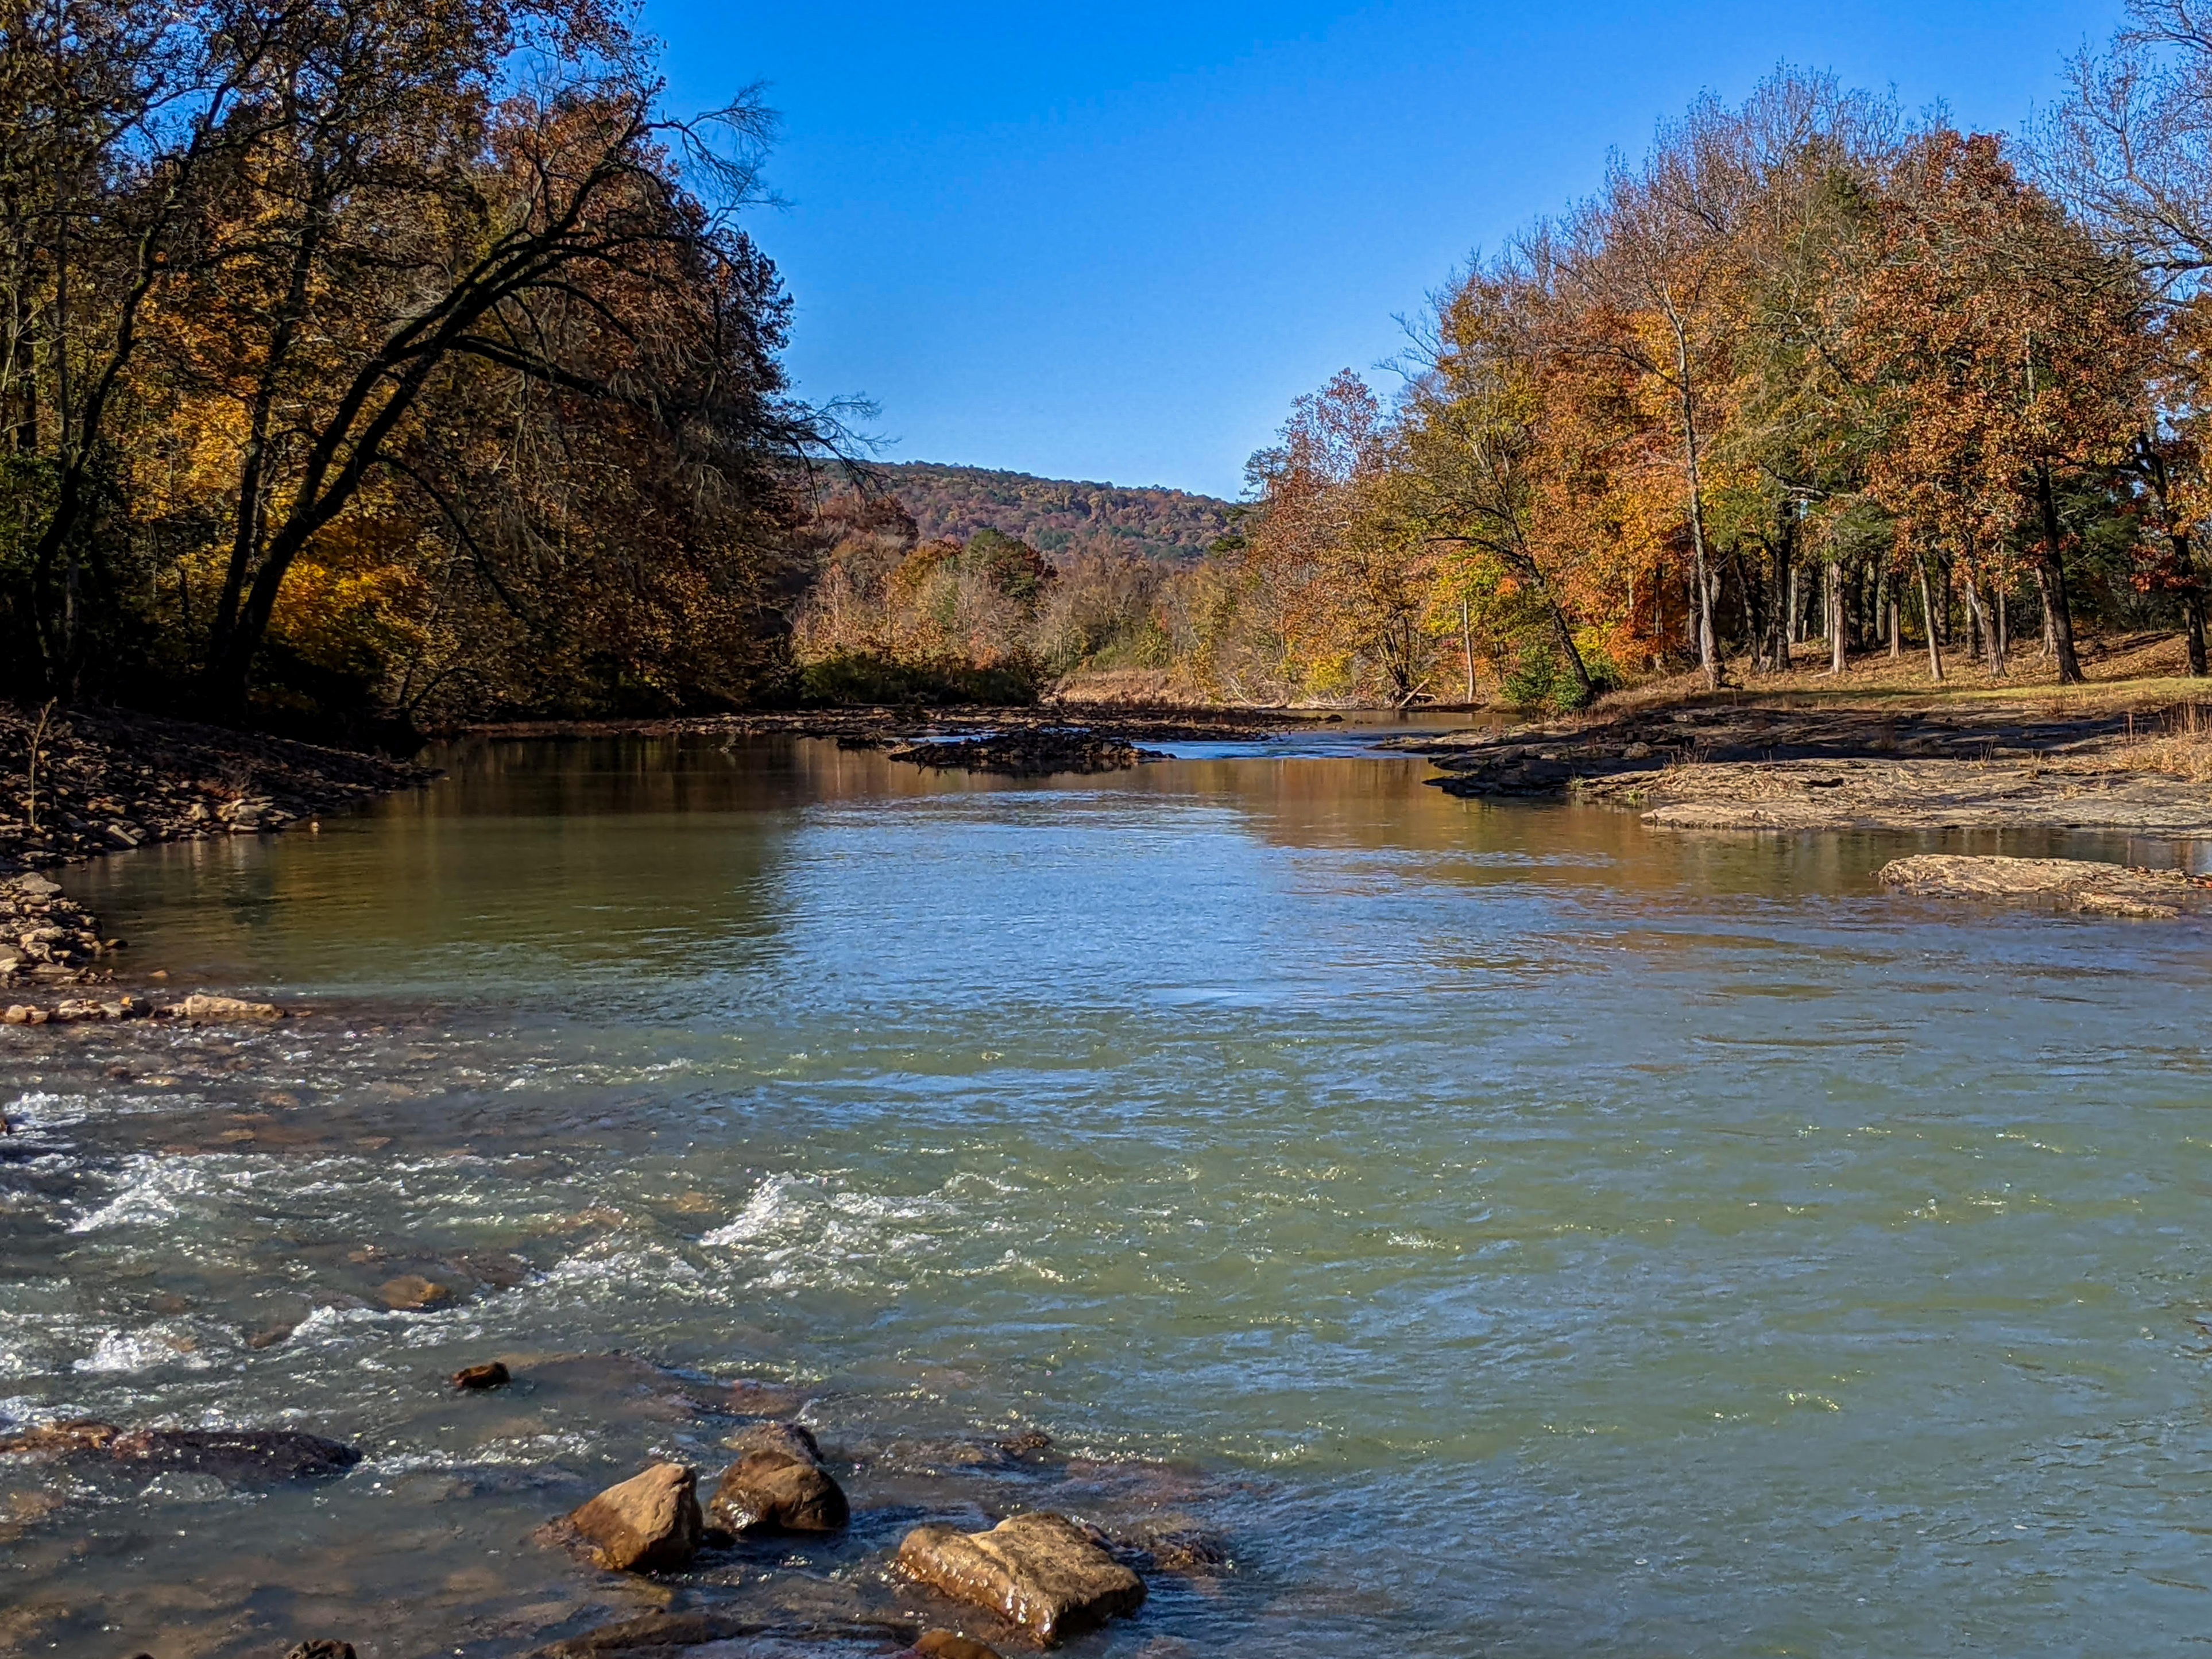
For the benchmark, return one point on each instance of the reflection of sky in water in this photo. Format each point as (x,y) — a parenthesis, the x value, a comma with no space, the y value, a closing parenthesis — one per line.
(1586,1240)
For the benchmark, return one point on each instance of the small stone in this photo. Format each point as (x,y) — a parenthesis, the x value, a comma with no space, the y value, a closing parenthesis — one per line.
(1040,1571)
(412,1293)
(475,1378)
(321,1648)
(1637,751)
(647,1524)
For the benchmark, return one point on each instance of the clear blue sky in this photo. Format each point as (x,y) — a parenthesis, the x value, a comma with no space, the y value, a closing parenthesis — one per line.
(1114,241)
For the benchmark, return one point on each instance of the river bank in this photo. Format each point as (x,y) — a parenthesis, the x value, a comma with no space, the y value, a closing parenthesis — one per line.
(91,780)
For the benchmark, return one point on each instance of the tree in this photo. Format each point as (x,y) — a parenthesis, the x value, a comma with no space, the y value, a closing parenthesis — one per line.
(426,303)
(2129,151)
(2006,349)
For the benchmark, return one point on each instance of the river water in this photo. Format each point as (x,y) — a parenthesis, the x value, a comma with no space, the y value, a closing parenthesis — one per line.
(1512,1231)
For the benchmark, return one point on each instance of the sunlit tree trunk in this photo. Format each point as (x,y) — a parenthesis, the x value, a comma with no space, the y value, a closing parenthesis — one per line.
(1928,617)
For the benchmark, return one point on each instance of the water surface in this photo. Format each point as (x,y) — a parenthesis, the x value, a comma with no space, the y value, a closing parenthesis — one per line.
(1517,1233)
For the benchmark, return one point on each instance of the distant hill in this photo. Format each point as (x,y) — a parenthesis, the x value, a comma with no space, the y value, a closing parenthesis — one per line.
(1057,515)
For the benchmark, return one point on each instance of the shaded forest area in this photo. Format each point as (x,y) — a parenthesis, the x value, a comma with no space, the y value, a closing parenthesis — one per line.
(364,362)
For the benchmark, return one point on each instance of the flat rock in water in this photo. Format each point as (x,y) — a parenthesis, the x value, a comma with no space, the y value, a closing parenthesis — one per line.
(241,1456)
(647,1524)
(1042,1572)
(200,1005)
(669,1635)
(1039,752)
(950,1644)
(2082,884)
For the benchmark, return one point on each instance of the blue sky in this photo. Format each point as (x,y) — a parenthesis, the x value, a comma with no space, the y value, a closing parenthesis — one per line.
(1114,241)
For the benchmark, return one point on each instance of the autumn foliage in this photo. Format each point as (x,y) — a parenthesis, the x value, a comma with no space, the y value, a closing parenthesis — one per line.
(1808,370)
(371,358)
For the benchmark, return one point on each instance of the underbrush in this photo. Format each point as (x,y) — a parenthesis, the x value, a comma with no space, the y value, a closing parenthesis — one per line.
(851,678)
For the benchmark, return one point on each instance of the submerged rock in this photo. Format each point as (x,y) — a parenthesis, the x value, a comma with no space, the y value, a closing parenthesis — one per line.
(950,1644)
(412,1293)
(321,1648)
(2082,884)
(77,1434)
(1042,1572)
(477,1378)
(647,1524)
(666,1635)
(778,1484)
(240,1456)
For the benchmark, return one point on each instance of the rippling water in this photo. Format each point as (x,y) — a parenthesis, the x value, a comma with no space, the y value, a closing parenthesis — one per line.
(1516,1232)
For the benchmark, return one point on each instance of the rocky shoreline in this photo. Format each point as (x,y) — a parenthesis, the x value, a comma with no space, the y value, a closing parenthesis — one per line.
(108,779)
(966,1548)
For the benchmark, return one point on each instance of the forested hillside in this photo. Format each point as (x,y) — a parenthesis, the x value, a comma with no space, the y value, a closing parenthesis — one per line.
(1057,515)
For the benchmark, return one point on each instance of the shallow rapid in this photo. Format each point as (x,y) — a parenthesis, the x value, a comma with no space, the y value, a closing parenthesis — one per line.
(1513,1230)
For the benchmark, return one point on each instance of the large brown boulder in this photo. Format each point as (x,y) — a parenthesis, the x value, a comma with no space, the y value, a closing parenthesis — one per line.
(778,1484)
(1042,1572)
(647,1524)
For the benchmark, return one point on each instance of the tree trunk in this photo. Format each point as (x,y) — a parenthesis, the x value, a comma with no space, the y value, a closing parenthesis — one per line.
(1701,561)
(1467,644)
(1896,617)
(1575,663)
(1836,647)
(2062,616)
(2192,602)
(1982,625)
(2004,629)
(1786,590)
(1928,615)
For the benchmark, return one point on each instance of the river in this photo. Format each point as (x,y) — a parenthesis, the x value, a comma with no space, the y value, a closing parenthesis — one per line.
(1512,1231)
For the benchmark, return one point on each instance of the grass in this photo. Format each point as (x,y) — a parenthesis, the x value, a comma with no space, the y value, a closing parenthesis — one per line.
(2123,671)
